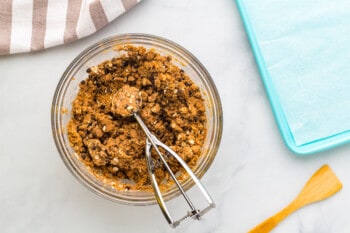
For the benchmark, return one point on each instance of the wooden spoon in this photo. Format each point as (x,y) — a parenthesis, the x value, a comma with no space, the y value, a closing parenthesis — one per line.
(323,184)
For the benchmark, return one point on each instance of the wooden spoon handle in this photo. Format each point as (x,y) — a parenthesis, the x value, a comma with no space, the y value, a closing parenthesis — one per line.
(323,184)
(273,221)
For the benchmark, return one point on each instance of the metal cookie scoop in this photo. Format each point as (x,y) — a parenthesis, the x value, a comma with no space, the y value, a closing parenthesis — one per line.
(153,141)
(128,102)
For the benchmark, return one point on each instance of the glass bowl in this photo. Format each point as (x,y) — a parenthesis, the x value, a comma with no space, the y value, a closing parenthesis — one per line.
(68,88)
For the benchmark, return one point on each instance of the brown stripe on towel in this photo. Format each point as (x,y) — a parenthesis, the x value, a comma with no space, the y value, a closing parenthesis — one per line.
(98,14)
(128,4)
(5,26)
(73,11)
(39,24)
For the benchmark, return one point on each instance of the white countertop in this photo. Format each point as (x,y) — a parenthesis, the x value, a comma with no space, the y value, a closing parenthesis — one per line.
(253,176)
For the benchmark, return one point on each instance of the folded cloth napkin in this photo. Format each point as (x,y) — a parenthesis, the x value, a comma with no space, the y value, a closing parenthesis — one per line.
(33,25)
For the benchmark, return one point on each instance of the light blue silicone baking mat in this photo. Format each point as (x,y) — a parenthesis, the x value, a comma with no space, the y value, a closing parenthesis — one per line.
(302,49)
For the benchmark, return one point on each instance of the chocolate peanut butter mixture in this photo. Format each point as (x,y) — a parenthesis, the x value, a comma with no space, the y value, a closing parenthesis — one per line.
(107,138)
(126,101)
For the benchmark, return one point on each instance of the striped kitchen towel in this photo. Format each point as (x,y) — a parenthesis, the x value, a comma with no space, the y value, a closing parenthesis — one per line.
(30,25)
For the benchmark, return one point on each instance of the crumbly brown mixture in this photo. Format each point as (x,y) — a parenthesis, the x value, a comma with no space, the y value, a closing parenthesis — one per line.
(109,140)
(126,101)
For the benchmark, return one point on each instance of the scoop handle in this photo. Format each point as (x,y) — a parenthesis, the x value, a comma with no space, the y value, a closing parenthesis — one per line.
(323,184)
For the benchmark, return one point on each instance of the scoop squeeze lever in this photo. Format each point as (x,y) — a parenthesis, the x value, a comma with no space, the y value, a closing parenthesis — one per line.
(153,141)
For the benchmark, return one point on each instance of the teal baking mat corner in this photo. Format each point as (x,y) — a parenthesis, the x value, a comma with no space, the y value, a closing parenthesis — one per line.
(308,89)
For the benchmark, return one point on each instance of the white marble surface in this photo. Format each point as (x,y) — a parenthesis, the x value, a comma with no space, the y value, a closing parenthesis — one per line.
(253,176)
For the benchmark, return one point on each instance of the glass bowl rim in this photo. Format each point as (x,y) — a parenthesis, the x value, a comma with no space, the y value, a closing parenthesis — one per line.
(98,45)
